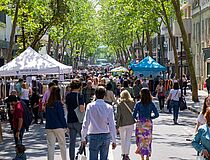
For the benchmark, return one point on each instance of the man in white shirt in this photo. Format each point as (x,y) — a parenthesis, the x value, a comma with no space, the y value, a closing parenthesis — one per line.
(99,125)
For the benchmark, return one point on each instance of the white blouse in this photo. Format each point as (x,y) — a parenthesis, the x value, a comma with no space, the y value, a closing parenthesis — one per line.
(201,119)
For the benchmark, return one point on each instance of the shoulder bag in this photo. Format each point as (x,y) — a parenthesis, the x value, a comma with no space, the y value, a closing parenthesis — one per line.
(182,103)
(80,115)
(129,110)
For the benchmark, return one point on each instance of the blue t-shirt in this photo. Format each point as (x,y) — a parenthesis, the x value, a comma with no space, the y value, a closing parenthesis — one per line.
(72,104)
(145,111)
(55,117)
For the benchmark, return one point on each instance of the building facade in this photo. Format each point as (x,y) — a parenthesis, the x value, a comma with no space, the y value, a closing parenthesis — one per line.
(5,31)
(201,39)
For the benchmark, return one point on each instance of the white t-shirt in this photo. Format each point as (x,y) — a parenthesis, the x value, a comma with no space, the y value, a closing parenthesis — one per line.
(201,119)
(24,94)
(175,94)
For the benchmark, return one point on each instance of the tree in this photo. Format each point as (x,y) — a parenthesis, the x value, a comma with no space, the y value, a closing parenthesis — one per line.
(176,4)
(14,24)
(165,12)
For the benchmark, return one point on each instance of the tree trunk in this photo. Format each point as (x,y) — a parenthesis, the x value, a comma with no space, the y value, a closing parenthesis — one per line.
(49,45)
(139,46)
(23,38)
(39,35)
(149,43)
(172,40)
(176,5)
(122,56)
(12,35)
(71,54)
(56,51)
(142,45)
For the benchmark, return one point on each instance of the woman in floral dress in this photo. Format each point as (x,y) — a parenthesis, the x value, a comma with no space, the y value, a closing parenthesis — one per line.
(143,114)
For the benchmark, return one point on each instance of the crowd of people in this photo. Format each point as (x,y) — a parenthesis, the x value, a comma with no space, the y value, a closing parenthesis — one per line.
(108,105)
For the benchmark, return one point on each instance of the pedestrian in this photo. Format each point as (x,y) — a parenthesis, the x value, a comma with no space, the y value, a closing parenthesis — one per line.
(136,89)
(73,100)
(125,86)
(35,104)
(151,84)
(174,96)
(109,96)
(99,125)
(55,124)
(201,141)
(25,93)
(88,92)
(144,83)
(184,84)
(18,114)
(18,87)
(160,89)
(47,95)
(146,111)
(10,115)
(125,122)
(20,152)
(40,110)
(201,119)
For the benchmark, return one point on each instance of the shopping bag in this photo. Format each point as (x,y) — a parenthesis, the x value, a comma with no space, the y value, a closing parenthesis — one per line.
(182,104)
(80,115)
(82,157)
(81,154)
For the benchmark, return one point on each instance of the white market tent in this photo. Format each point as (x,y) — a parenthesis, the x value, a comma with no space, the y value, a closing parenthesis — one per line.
(30,63)
(64,68)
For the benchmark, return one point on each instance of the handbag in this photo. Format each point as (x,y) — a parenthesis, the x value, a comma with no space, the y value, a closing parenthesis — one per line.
(182,104)
(129,110)
(81,154)
(80,115)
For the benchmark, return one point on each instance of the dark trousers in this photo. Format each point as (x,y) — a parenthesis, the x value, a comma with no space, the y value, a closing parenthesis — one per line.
(74,129)
(208,89)
(175,106)
(161,101)
(18,141)
(36,114)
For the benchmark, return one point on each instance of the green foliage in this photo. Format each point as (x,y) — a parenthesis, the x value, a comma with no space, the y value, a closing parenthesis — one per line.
(80,26)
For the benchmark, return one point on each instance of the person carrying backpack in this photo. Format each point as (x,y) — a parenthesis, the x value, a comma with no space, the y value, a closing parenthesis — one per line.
(18,116)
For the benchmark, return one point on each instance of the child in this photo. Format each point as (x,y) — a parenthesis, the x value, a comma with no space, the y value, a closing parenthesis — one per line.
(20,152)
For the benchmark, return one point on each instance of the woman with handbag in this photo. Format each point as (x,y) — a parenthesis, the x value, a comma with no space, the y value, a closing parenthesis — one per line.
(75,104)
(55,124)
(125,122)
(174,96)
(144,108)
(201,141)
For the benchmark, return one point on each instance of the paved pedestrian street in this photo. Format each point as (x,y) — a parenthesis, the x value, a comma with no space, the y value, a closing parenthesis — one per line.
(169,141)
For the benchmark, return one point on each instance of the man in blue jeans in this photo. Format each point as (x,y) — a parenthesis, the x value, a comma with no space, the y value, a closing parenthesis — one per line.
(100,127)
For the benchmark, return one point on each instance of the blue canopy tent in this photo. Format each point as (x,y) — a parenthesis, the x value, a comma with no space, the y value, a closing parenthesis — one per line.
(147,66)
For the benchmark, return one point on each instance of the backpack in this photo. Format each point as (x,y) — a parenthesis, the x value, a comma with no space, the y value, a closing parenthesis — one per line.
(27,116)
